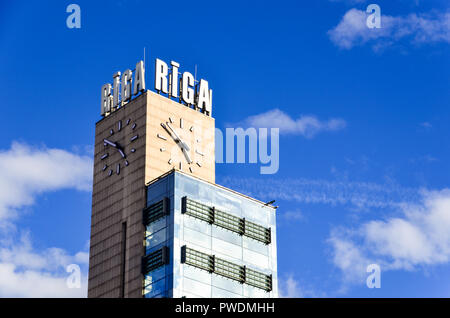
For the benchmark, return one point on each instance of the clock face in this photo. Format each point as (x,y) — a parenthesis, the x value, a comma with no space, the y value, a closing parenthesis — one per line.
(113,149)
(182,144)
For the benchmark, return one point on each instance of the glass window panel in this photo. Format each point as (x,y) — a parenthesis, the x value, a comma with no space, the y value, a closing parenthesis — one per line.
(154,239)
(156,190)
(188,186)
(155,288)
(226,248)
(222,293)
(255,246)
(227,284)
(156,226)
(197,225)
(197,274)
(226,236)
(229,258)
(226,202)
(155,275)
(254,213)
(257,259)
(254,292)
(196,287)
(197,238)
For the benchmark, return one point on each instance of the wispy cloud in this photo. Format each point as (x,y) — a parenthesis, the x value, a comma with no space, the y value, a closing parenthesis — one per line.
(28,172)
(413,28)
(290,287)
(307,125)
(426,125)
(292,216)
(419,237)
(359,195)
(412,235)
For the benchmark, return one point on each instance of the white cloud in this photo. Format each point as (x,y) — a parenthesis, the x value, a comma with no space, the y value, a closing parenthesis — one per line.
(415,28)
(419,238)
(292,216)
(26,173)
(290,287)
(307,126)
(348,258)
(35,284)
(25,273)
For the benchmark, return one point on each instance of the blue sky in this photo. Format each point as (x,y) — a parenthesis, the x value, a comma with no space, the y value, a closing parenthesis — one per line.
(373,189)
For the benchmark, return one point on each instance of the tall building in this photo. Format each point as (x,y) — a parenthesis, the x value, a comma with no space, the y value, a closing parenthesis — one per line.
(160,226)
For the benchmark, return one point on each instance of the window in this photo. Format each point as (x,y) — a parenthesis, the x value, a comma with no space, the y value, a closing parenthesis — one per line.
(156,211)
(197,259)
(155,226)
(229,222)
(155,259)
(257,232)
(153,239)
(225,268)
(197,210)
(257,279)
(229,270)
(156,289)
(225,220)
(155,275)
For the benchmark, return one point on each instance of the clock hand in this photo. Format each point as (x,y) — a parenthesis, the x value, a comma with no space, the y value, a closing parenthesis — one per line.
(110,143)
(183,144)
(173,131)
(188,158)
(170,133)
(121,153)
(173,134)
(115,146)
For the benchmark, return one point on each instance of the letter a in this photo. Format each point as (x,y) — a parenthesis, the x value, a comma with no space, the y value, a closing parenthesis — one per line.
(73,20)
(373,20)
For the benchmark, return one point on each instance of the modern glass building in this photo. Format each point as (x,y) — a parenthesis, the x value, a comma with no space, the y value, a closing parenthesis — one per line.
(204,240)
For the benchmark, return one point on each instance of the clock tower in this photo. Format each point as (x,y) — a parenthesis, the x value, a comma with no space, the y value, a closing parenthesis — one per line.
(135,144)
(160,226)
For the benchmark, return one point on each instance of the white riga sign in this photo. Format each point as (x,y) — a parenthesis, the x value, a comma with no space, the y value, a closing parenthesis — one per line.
(167,81)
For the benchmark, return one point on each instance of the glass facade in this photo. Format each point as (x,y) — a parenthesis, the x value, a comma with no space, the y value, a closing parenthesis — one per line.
(203,240)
